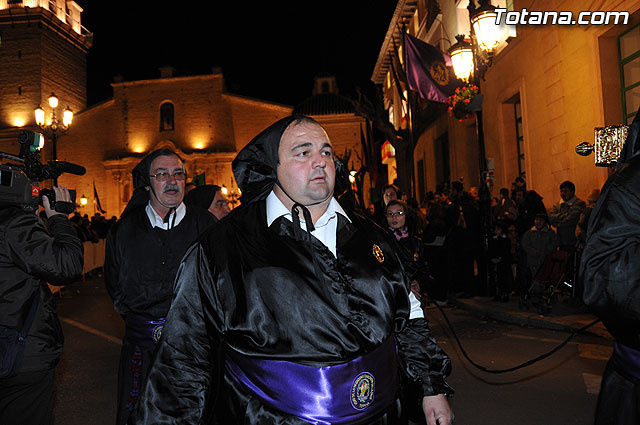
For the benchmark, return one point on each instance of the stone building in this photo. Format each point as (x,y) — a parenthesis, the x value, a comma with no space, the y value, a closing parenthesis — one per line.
(43,50)
(546,90)
(192,115)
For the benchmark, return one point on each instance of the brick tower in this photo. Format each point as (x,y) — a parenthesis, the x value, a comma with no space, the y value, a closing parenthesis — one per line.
(43,49)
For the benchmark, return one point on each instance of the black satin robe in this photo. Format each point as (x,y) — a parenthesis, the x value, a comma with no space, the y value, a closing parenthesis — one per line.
(611,273)
(254,289)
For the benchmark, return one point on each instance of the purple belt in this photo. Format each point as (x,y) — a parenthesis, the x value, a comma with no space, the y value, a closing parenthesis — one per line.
(143,331)
(349,393)
(627,360)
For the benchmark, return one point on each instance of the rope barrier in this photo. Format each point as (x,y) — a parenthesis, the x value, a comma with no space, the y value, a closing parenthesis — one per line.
(520,366)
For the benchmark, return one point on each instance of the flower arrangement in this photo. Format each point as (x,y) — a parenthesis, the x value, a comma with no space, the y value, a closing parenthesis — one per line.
(459,101)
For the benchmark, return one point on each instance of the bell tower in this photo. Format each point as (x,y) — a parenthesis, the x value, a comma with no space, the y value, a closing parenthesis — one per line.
(43,49)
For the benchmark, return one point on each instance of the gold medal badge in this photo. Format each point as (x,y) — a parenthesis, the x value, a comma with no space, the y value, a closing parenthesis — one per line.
(377,252)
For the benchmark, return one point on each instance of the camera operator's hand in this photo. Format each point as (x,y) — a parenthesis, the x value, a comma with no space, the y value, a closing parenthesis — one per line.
(62,194)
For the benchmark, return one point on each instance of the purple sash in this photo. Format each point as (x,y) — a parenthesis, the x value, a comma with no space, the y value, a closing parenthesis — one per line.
(348,393)
(627,360)
(143,331)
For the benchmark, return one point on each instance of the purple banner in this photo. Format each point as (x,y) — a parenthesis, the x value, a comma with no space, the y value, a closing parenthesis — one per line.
(429,71)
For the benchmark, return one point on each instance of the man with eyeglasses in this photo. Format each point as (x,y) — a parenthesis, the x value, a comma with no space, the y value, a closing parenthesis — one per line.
(143,253)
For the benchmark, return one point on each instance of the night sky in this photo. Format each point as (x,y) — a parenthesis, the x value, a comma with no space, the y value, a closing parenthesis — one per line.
(267,50)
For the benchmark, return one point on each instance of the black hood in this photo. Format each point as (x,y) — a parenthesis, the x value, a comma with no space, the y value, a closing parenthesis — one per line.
(202,196)
(255,165)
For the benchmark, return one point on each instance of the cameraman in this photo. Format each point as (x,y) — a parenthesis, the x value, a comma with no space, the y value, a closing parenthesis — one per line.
(31,256)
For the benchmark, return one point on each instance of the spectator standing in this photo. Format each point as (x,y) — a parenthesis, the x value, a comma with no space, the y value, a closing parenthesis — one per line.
(499,254)
(143,252)
(506,209)
(462,240)
(536,244)
(529,208)
(31,256)
(410,247)
(564,216)
(583,223)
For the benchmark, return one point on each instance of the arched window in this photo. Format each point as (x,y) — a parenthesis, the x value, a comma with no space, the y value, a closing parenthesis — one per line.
(166,116)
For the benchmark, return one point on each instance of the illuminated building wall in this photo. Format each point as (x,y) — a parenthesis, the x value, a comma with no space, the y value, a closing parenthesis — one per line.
(39,54)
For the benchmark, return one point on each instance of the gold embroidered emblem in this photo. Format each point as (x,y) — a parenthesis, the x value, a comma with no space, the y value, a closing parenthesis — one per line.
(377,252)
(439,73)
(415,256)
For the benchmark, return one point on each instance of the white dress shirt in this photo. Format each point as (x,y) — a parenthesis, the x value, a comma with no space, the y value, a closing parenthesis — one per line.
(325,231)
(157,221)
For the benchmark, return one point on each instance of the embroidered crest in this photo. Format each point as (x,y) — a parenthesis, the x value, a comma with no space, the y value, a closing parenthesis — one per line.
(362,391)
(157,333)
(415,256)
(377,252)
(439,73)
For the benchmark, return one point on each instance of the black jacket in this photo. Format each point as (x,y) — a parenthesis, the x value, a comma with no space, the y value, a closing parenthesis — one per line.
(141,262)
(30,257)
(254,289)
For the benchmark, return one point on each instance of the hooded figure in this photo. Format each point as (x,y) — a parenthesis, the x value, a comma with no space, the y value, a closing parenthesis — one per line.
(611,273)
(205,197)
(288,314)
(142,255)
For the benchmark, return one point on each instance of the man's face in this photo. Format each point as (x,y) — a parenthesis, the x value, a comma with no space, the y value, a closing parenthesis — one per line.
(306,169)
(389,195)
(169,193)
(219,206)
(539,223)
(566,193)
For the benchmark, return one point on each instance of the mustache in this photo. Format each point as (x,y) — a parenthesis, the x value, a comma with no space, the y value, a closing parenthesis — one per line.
(170,186)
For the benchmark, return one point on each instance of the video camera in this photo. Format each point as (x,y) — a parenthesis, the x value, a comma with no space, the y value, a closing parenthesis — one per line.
(19,182)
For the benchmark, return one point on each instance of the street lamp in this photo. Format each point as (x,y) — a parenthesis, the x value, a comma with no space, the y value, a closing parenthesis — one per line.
(52,128)
(470,61)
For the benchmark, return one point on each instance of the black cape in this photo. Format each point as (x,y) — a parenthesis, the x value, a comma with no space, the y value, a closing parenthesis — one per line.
(610,269)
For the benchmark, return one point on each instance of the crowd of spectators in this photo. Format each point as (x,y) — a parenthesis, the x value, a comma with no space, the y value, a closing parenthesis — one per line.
(463,259)
(91,229)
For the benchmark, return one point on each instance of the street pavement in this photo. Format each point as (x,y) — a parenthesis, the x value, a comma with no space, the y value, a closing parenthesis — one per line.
(563,315)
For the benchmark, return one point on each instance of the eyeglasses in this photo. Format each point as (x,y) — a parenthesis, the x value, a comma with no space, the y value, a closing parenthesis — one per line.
(393,214)
(164,176)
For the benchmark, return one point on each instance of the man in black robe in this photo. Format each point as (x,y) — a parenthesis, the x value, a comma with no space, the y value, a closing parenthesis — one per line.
(302,315)
(143,252)
(610,269)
